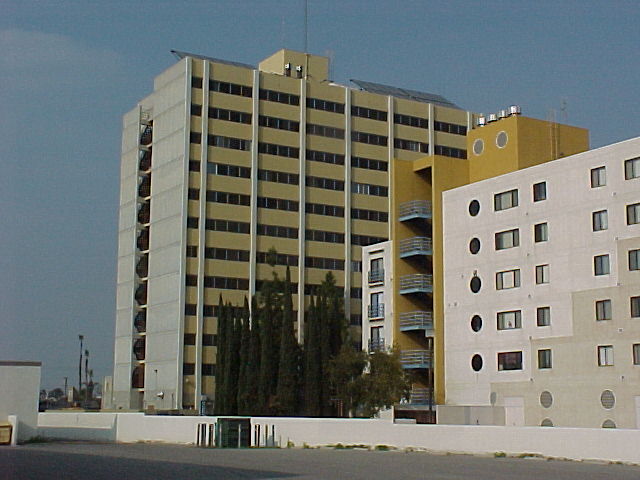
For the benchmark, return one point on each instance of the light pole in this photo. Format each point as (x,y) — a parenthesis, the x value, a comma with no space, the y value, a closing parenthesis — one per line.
(81,338)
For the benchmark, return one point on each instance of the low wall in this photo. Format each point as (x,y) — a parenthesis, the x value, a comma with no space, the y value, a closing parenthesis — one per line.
(573,443)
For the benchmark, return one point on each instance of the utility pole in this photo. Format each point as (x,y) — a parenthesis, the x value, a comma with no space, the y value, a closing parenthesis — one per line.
(65,386)
(86,376)
(81,338)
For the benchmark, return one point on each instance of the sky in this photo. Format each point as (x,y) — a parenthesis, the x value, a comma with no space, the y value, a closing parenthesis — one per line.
(69,70)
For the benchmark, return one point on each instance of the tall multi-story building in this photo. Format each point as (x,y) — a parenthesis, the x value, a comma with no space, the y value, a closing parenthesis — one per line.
(223,161)
(507,143)
(542,291)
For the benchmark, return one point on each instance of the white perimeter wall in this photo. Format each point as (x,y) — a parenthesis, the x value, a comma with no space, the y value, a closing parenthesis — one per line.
(19,396)
(579,444)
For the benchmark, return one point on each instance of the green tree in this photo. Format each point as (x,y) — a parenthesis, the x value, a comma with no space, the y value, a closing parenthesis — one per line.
(345,374)
(244,374)
(253,362)
(312,363)
(288,369)
(385,383)
(233,356)
(220,392)
(269,343)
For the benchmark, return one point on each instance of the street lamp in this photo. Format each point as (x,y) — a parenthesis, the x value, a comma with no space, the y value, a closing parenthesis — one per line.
(81,338)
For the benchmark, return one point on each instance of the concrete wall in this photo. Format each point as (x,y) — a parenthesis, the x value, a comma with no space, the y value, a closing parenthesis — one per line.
(600,444)
(19,395)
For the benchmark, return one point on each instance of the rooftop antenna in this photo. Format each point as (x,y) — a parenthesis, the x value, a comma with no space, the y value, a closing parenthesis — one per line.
(282,32)
(306,30)
(331,55)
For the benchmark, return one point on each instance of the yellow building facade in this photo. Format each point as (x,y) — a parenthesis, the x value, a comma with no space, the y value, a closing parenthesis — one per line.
(507,143)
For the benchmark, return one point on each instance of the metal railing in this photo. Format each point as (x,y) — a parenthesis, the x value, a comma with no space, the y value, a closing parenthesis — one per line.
(376,344)
(419,396)
(376,310)
(416,281)
(417,319)
(415,207)
(376,276)
(415,358)
(422,244)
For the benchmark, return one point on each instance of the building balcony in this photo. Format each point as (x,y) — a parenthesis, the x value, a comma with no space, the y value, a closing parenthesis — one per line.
(142,268)
(420,396)
(139,348)
(144,189)
(143,240)
(141,294)
(376,276)
(414,209)
(137,377)
(416,283)
(144,213)
(376,345)
(415,246)
(140,321)
(146,135)
(415,359)
(376,311)
(417,321)
(145,161)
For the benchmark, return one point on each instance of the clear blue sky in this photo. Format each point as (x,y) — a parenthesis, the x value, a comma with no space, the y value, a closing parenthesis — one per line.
(70,69)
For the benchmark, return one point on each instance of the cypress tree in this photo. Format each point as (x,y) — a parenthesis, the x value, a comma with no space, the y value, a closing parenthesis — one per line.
(312,364)
(253,362)
(235,333)
(244,372)
(219,406)
(288,370)
(268,367)
(325,346)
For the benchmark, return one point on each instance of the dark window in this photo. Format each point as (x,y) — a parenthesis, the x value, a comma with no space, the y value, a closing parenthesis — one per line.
(450,151)
(278,204)
(230,115)
(228,170)
(209,340)
(192,250)
(192,222)
(226,226)
(543,316)
(194,165)
(635,307)
(410,121)
(277,231)
(278,259)
(226,283)
(230,88)
(369,189)
(371,113)
(326,183)
(356,292)
(279,123)
(322,209)
(539,191)
(475,284)
(280,150)
(411,145)
(474,245)
(191,280)
(510,361)
(188,368)
(324,131)
(195,137)
(325,105)
(189,338)
(355,320)
(193,194)
(369,164)
(450,128)
(476,363)
(226,197)
(504,200)
(371,215)
(190,309)
(196,109)
(325,157)
(476,323)
(370,138)
(544,358)
(474,208)
(208,369)
(278,177)
(324,263)
(226,254)
(196,82)
(279,97)
(365,240)
(324,236)
(229,142)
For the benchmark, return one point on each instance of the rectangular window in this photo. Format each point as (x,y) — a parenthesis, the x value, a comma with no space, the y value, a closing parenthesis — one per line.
(541,232)
(601,265)
(324,236)
(278,177)
(369,164)
(230,88)
(189,338)
(209,339)
(208,370)
(603,309)
(507,239)
(326,183)
(605,355)
(280,150)
(411,145)
(598,177)
(229,142)
(633,214)
(508,279)
(632,168)
(542,274)
(228,170)
(371,113)
(325,131)
(278,123)
(376,307)
(636,353)
(325,105)
(371,215)
(450,151)
(410,121)
(544,358)
(505,200)
(323,209)
(509,361)
(600,220)
(188,368)
(634,259)
(369,189)
(229,115)
(543,316)
(326,157)
(370,138)
(635,307)
(279,97)
(450,128)
(539,191)
(509,320)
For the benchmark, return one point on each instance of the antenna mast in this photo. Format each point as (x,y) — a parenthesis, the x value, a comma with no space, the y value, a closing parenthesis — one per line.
(306,31)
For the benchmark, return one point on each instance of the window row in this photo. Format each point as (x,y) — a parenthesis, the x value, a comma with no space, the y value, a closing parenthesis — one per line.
(411,145)
(324,236)
(371,113)
(326,105)
(279,177)
(325,131)
(278,204)
(326,183)
(208,369)
(450,151)
(279,97)
(279,150)
(370,138)
(369,189)
(279,123)
(277,259)
(228,170)
(229,88)
(509,199)
(450,128)
(324,263)
(228,115)
(208,339)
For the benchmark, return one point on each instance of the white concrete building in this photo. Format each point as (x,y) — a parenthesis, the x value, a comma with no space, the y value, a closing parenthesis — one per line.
(542,291)
(377,297)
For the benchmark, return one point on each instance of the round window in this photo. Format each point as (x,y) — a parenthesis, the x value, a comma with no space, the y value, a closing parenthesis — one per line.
(546,423)
(474,208)
(501,139)
(474,245)
(608,399)
(476,363)
(546,399)
(475,284)
(476,323)
(608,424)
(478,146)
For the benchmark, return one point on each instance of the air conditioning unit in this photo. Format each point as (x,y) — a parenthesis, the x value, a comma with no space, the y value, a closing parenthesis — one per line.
(298,68)
(482,121)
(492,118)
(287,66)
(503,113)
(514,110)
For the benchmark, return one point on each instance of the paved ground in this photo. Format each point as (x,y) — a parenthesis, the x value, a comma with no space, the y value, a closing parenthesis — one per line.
(70,461)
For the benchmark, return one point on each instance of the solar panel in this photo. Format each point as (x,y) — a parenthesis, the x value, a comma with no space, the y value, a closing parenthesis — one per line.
(181,55)
(404,93)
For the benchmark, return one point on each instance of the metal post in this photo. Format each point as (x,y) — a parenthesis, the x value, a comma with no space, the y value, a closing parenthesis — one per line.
(81,338)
